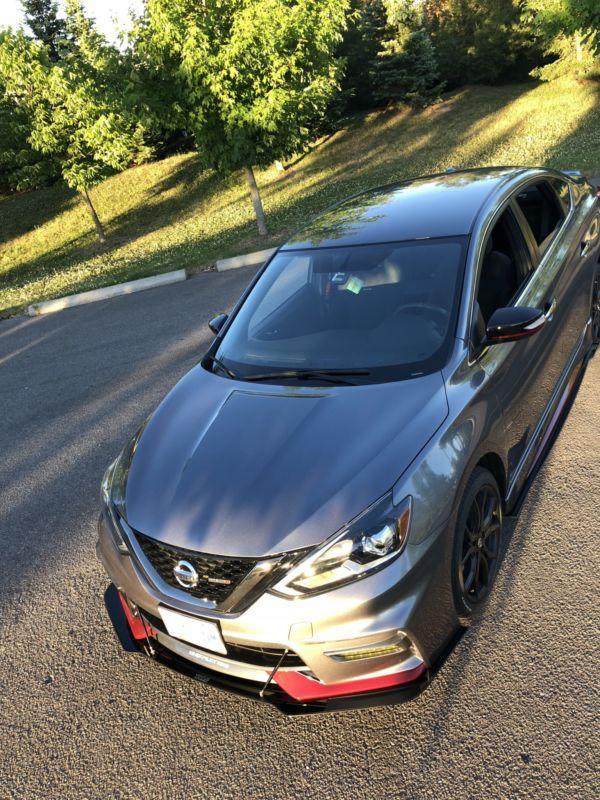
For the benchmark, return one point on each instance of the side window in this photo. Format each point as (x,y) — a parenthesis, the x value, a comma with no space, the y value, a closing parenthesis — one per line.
(564,195)
(543,211)
(503,267)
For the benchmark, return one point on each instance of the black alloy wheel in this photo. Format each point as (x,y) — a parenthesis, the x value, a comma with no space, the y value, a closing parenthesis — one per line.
(477,543)
(481,545)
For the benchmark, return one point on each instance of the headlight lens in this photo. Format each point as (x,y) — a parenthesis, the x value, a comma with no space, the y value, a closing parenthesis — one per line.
(371,541)
(114,484)
(111,512)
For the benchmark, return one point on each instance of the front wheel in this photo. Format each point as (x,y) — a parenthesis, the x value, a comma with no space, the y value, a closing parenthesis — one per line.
(477,541)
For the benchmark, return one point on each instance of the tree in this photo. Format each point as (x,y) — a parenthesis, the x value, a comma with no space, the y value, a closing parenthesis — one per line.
(406,70)
(253,76)
(21,167)
(480,41)
(47,27)
(80,108)
(405,67)
(569,31)
(362,40)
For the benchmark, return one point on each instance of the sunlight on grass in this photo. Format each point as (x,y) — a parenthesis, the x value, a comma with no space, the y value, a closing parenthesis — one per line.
(171,214)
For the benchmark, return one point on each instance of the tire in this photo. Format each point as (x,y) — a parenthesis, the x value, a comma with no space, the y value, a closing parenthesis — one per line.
(477,544)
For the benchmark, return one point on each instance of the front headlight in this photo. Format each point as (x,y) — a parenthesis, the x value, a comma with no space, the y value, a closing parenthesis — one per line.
(366,545)
(114,484)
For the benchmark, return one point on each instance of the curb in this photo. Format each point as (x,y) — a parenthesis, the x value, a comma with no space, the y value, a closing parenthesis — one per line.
(50,306)
(248,260)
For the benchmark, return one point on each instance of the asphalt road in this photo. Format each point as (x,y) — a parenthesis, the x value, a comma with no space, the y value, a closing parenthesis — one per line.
(513,713)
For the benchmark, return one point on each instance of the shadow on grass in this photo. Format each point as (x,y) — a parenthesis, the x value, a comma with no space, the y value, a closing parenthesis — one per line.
(21,213)
(378,148)
(588,133)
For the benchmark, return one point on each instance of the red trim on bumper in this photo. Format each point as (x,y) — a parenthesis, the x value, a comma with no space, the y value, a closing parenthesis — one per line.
(136,626)
(303,688)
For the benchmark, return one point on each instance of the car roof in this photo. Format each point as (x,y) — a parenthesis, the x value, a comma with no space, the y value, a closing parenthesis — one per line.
(439,205)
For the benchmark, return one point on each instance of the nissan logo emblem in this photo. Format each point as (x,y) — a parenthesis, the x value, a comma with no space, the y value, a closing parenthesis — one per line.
(185,574)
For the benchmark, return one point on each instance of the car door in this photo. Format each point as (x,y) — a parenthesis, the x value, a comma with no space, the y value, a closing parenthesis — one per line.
(563,262)
(523,373)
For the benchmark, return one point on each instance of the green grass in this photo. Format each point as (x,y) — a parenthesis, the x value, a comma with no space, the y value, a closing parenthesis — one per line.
(171,214)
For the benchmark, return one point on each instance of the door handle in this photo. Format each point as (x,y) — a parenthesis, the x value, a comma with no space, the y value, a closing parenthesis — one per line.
(585,248)
(549,309)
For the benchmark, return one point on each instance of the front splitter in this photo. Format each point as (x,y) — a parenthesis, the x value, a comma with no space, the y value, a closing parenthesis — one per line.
(273,694)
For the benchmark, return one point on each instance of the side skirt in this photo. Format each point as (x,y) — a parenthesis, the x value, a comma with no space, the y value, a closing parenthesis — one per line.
(561,412)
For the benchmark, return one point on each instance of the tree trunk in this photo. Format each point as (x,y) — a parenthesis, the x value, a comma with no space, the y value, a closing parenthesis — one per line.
(256,201)
(97,223)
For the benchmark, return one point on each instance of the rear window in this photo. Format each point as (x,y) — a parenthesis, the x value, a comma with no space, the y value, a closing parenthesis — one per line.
(544,212)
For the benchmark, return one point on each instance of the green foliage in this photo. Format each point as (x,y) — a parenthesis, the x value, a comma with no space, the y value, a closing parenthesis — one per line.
(252,76)
(367,24)
(406,69)
(77,106)
(21,167)
(480,41)
(46,26)
(569,31)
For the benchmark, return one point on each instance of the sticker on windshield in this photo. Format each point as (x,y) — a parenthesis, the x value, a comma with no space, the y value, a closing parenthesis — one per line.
(354,285)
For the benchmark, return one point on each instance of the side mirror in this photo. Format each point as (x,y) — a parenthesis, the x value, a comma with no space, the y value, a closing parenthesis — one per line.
(510,324)
(217,323)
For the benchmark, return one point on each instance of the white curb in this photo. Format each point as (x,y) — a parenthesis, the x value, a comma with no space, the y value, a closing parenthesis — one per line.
(248,260)
(50,306)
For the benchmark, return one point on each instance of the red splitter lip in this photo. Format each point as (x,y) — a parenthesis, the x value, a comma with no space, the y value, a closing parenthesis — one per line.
(304,689)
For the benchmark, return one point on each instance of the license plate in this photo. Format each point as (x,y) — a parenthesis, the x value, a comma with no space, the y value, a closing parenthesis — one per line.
(196,631)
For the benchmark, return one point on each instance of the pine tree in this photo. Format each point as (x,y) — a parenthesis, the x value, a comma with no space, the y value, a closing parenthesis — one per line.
(46,26)
(362,41)
(405,67)
(406,70)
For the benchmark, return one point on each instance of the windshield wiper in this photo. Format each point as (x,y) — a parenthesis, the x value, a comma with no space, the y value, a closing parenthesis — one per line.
(216,362)
(331,375)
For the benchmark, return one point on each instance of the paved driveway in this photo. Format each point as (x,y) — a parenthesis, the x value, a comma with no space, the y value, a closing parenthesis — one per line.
(513,714)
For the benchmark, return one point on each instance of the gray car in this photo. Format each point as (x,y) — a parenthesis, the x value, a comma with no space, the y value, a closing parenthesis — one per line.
(316,509)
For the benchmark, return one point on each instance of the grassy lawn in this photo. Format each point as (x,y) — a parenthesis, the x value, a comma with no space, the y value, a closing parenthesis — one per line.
(170,214)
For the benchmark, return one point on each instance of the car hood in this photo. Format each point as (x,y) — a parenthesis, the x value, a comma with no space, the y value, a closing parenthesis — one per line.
(238,469)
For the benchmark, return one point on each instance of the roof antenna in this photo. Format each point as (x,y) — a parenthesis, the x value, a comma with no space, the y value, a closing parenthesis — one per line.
(452,169)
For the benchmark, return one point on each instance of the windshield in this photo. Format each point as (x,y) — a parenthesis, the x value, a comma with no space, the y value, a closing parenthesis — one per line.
(388,310)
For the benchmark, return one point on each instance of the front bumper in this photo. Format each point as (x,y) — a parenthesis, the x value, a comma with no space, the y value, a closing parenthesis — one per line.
(273,694)
(313,632)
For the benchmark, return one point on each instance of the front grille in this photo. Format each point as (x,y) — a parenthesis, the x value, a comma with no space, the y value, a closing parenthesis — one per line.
(218,575)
